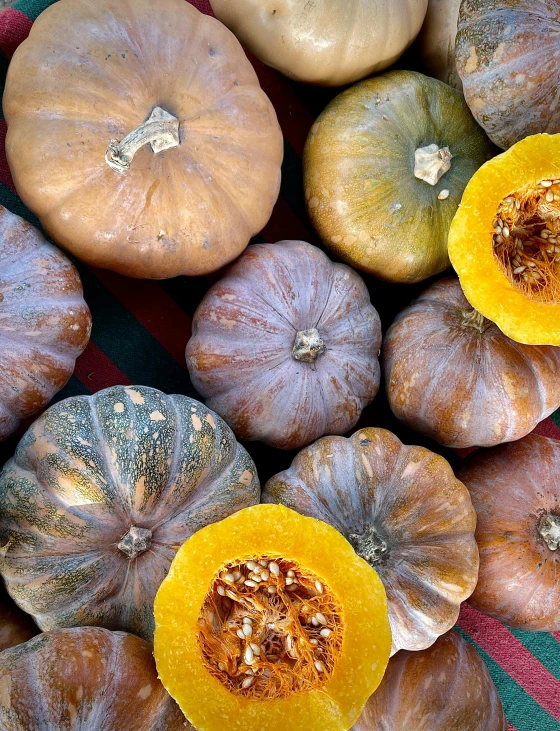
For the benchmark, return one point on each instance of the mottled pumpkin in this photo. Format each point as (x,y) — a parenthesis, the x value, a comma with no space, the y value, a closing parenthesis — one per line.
(515,492)
(285,346)
(454,376)
(403,511)
(444,688)
(507,57)
(15,626)
(139,134)
(84,679)
(44,322)
(385,166)
(102,491)
(435,45)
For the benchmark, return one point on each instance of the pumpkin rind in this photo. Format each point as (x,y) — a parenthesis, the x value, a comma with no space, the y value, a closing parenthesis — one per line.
(461,381)
(512,487)
(405,507)
(15,626)
(87,76)
(241,356)
(92,471)
(44,322)
(359,167)
(436,41)
(90,680)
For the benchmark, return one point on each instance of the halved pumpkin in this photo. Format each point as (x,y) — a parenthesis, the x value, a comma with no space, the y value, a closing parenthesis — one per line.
(269,620)
(504,241)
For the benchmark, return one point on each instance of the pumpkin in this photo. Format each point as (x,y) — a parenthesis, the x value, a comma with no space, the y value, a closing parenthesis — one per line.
(15,626)
(514,489)
(90,680)
(102,491)
(274,622)
(454,376)
(44,322)
(163,154)
(435,44)
(403,511)
(417,686)
(285,346)
(385,166)
(503,242)
(506,54)
(329,43)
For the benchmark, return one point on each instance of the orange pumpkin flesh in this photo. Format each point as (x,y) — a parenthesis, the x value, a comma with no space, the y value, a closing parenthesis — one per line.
(302,676)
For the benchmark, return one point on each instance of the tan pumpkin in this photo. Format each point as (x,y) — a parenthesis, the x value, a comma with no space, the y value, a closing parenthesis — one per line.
(435,44)
(15,626)
(44,322)
(139,134)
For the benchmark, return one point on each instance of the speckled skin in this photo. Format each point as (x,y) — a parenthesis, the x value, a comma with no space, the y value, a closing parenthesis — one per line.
(44,322)
(84,679)
(15,626)
(90,468)
(444,688)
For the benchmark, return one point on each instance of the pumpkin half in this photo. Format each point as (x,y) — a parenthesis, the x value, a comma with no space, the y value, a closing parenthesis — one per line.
(269,620)
(504,241)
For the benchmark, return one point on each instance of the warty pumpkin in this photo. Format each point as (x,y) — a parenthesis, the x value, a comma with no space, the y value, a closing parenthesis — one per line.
(385,166)
(44,322)
(514,489)
(331,42)
(139,134)
(435,45)
(285,346)
(90,680)
(269,620)
(454,376)
(403,511)
(15,626)
(99,495)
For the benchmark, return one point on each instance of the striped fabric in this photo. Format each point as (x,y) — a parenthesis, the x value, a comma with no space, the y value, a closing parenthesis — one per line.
(140,330)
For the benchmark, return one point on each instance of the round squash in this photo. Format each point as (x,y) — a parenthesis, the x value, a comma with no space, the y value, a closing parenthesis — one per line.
(331,42)
(90,680)
(403,511)
(454,376)
(507,58)
(435,44)
(272,620)
(285,346)
(140,136)
(385,166)
(100,494)
(515,492)
(422,681)
(44,322)
(15,626)
(504,241)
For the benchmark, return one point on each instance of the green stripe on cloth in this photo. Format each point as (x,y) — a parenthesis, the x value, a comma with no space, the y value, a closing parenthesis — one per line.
(32,8)
(543,646)
(10,200)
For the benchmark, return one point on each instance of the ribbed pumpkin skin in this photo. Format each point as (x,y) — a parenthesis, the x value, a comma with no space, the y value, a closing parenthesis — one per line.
(435,44)
(512,487)
(444,688)
(15,626)
(44,322)
(90,468)
(240,355)
(84,679)
(507,57)
(460,386)
(411,499)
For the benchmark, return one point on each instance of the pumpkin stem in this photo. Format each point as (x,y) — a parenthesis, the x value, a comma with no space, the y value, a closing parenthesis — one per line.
(135,541)
(368,545)
(160,131)
(549,530)
(431,163)
(473,318)
(308,346)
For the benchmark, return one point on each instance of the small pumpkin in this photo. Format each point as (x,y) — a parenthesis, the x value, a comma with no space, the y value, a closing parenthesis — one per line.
(506,53)
(385,166)
(140,136)
(514,489)
(329,43)
(422,681)
(99,495)
(435,44)
(274,622)
(15,626)
(44,322)
(90,680)
(403,511)
(285,346)
(504,245)
(454,376)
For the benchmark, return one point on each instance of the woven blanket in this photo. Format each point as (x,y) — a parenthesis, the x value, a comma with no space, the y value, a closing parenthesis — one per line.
(140,329)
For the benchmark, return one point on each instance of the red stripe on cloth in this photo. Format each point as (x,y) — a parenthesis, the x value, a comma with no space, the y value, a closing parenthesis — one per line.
(5,174)
(513,657)
(14,28)
(548,428)
(96,371)
(511,727)
(202,5)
